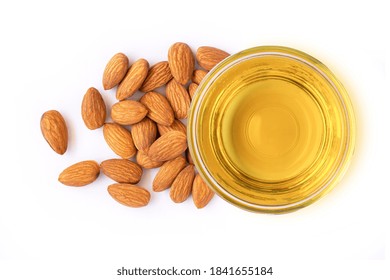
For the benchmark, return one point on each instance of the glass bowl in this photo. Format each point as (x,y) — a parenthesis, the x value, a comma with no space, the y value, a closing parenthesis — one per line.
(271,129)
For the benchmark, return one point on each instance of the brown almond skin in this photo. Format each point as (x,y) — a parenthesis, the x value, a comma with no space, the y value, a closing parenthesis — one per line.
(93,109)
(182,185)
(177,125)
(158,75)
(181,62)
(119,139)
(128,112)
(129,195)
(122,170)
(159,109)
(144,134)
(168,146)
(167,173)
(179,99)
(146,162)
(80,174)
(192,89)
(133,79)
(54,130)
(198,76)
(208,57)
(201,193)
(115,71)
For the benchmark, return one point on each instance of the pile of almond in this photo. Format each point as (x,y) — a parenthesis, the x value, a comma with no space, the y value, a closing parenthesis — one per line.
(157,138)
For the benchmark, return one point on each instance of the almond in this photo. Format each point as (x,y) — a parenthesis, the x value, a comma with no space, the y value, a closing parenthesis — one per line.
(181,62)
(54,131)
(179,99)
(198,76)
(128,112)
(175,126)
(119,139)
(129,195)
(80,174)
(167,173)
(182,185)
(159,108)
(133,79)
(192,89)
(122,170)
(208,57)
(115,71)
(168,146)
(146,162)
(93,109)
(158,75)
(144,134)
(201,193)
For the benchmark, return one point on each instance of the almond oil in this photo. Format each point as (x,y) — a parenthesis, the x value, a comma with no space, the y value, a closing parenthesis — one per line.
(271,129)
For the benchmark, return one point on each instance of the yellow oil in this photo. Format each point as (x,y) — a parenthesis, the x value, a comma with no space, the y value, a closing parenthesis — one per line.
(270,131)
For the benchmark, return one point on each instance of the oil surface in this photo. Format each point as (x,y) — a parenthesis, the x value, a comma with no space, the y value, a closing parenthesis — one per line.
(271,130)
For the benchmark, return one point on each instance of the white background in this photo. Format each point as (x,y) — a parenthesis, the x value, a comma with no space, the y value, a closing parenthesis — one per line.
(52,51)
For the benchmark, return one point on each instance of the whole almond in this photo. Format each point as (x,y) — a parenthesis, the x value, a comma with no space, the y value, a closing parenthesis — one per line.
(201,193)
(133,79)
(192,89)
(144,134)
(182,185)
(54,130)
(80,174)
(198,76)
(167,173)
(177,125)
(119,139)
(145,161)
(181,62)
(158,75)
(129,195)
(168,146)
(93,109)
(115,70)
(159,108)
(128,112)
(208,57)
(179,99)
(122,170)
